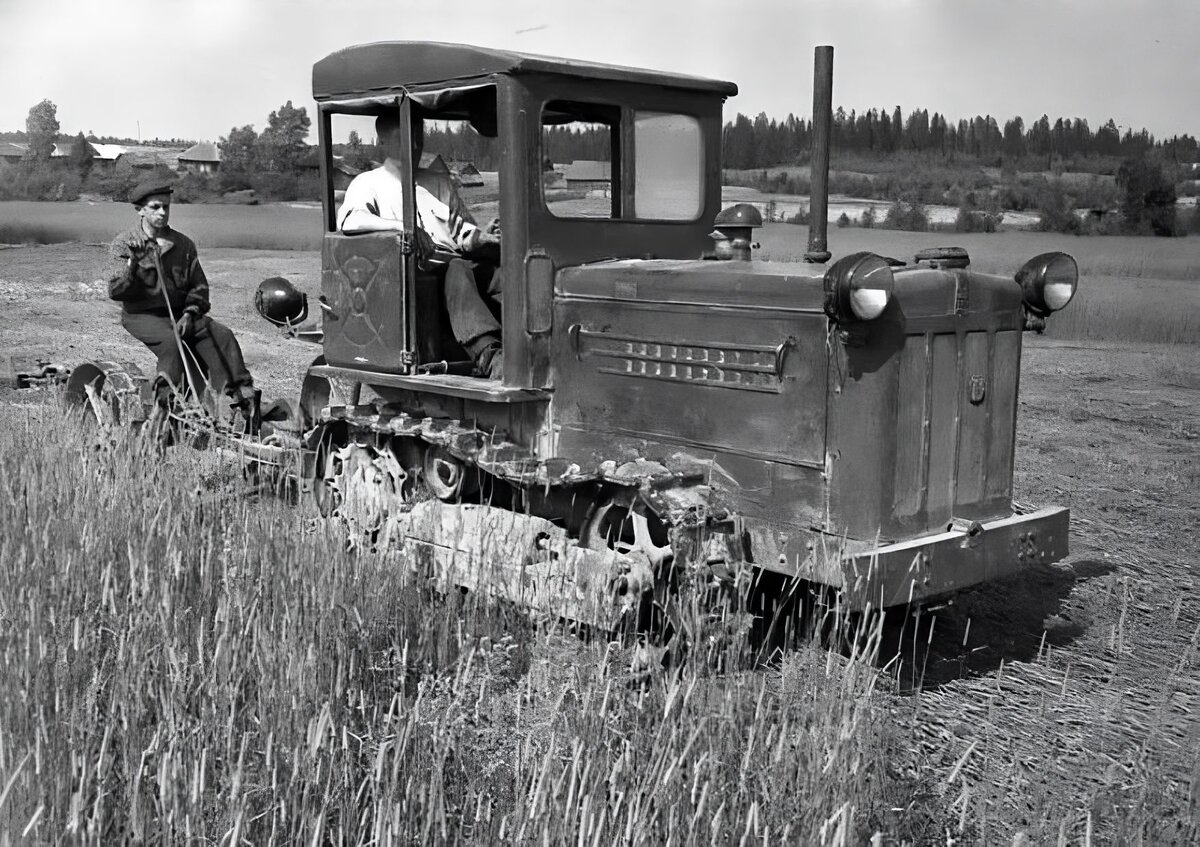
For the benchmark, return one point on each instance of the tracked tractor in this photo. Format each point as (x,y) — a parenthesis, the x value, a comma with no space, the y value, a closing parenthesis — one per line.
(671,410)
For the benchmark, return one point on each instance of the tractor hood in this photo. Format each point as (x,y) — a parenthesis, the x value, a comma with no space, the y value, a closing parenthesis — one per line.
(749,285)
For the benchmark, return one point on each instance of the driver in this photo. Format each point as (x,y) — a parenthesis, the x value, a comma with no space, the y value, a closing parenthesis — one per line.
(374,203)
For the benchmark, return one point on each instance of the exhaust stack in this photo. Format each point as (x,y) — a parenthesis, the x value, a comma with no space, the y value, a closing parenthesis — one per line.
(822,118)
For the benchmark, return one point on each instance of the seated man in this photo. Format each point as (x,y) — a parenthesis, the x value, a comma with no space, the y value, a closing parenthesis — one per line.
(373,203)
(157,278)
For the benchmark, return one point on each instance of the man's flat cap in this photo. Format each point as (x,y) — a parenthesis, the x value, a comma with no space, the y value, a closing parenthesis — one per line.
(149,187)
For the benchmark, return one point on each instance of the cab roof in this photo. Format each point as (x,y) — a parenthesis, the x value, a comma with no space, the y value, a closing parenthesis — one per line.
(389,66)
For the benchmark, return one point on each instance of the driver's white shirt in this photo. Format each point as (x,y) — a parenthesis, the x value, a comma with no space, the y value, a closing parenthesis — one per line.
(377,194)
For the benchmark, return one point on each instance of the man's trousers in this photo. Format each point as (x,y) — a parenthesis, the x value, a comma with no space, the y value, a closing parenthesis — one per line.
(212,343)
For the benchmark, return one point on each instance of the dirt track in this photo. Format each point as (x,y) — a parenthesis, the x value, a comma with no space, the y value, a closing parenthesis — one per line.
(1077,676)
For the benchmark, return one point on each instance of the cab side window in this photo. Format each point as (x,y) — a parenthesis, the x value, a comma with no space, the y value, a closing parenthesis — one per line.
(583,163)
(578,145)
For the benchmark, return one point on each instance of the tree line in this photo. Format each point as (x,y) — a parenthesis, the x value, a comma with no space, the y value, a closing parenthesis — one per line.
(763,142)
(271,163)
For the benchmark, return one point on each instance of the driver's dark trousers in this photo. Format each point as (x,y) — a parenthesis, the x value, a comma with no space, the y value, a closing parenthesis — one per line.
(213,343)
(473,297)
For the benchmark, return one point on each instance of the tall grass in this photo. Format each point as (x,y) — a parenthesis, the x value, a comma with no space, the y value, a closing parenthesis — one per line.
(180,663)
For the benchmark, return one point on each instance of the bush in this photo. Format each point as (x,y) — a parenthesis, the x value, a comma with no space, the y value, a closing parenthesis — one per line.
(1055,213)
(1148,198)
(906,216)
(972,219)
(232,180)
(843,220)
(802,216)
(38,181)
(113,183)
(286,186)
(196,188)
(868,219)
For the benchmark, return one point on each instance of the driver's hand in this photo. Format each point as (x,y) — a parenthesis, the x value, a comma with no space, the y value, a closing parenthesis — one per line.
(493,227)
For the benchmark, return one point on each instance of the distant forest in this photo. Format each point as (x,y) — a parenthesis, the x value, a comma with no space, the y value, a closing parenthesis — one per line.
(764,142)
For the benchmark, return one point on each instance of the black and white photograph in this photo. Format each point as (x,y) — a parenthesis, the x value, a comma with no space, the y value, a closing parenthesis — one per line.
(662,423)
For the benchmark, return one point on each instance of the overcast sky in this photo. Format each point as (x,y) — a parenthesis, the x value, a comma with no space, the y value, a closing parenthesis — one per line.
(195,68)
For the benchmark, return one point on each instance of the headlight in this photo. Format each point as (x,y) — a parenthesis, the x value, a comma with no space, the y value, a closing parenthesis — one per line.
(1048,282)
(858,287)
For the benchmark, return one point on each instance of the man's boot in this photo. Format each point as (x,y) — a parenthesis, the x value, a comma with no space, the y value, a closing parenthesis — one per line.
(488,356)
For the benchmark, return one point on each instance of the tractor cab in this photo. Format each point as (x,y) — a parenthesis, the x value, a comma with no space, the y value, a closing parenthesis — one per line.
(649,187)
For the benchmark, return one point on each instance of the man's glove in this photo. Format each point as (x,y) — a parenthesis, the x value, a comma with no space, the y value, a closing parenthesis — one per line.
(186,325)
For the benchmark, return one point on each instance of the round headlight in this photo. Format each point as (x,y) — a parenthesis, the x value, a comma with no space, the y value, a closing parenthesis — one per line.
(858,287)
(1048,282)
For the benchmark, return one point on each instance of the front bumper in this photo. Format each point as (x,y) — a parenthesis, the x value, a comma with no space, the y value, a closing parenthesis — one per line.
(924,568)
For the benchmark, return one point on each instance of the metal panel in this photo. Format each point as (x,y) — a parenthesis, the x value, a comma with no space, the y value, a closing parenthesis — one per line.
(943,427)
(1006,371)
(974,430)
(363,302)
(912,430)
(685,375)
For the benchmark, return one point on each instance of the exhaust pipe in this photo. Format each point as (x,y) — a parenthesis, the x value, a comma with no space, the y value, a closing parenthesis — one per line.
(822,118)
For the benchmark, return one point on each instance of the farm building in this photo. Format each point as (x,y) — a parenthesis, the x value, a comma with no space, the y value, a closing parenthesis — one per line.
(106,154)
(11,153)
(202,158)
(586,173)
(343,172)
(149,158)
(433,162)
(468,175)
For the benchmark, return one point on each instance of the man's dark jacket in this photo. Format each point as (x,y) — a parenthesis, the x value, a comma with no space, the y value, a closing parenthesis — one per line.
(136,284)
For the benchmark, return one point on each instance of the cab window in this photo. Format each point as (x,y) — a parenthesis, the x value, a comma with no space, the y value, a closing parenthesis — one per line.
(582,166)
(668,167)
(578,140)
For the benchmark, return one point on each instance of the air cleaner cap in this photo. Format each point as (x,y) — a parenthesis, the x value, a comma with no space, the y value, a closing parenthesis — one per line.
(944,257)
(740,214)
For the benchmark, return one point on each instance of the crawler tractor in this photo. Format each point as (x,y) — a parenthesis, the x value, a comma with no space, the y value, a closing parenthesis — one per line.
(672,411)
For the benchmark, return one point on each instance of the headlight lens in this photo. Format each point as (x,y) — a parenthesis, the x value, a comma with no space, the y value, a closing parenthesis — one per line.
(858,287)
(1048,282)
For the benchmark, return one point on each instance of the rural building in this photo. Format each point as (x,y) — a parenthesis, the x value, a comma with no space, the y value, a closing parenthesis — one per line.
(467,174)
(11,153)
(202,158)
(105,154)
(433,162)
(589,174)
(149,158)
(343,172)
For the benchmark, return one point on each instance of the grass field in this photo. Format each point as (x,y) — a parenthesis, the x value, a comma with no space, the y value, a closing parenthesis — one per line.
(271,227)
(181,664)
(185,661)
(1130,289)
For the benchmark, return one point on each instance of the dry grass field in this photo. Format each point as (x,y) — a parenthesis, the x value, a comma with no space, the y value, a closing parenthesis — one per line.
(184,660)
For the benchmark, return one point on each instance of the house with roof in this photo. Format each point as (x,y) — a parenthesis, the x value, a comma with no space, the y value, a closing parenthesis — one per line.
(589,174)
(202,158)
(342,171)
(466,173)
(11,153)
(149,158)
